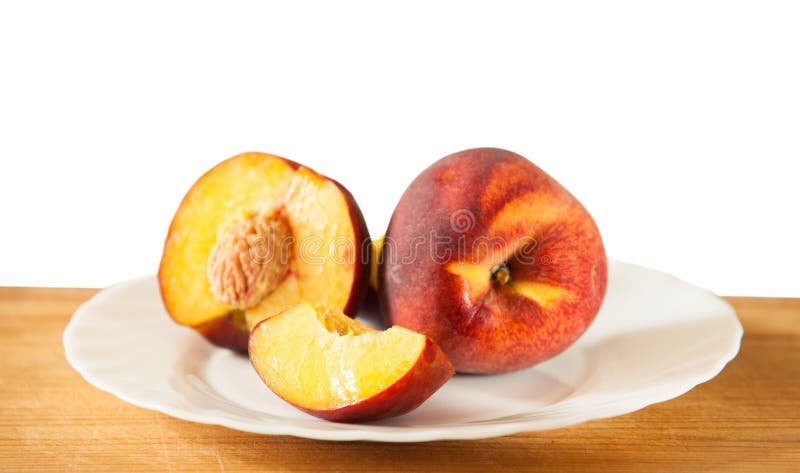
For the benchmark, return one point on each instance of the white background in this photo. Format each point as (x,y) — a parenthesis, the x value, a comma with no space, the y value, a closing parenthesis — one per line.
(676,123)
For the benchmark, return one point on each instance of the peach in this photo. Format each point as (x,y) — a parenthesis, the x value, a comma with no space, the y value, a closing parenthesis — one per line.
(375,257)
(493,259)
(258,234)
(338,369)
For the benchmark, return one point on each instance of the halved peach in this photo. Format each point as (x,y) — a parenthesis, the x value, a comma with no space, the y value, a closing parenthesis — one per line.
(258,234)
(336,368)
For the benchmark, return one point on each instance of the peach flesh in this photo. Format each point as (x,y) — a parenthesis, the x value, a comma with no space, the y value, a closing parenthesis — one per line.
(212,275)
(336,368)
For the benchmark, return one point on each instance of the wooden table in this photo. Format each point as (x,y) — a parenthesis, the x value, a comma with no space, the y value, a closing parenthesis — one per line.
(746,419)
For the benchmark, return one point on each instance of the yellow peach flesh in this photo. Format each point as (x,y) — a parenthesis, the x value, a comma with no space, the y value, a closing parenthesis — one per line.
(375,257)
(322,360)
(324,252)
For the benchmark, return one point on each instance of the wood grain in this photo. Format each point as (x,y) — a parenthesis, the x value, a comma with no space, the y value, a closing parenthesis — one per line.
(746,419)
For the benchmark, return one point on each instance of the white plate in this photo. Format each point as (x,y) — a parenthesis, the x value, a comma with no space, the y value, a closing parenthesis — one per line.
(655,338)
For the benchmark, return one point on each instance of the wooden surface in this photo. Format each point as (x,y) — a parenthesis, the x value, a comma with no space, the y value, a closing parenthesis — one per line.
(746,419)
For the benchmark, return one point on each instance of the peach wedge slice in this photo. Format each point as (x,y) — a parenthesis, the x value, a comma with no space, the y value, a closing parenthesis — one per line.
(258,234)
(336,368)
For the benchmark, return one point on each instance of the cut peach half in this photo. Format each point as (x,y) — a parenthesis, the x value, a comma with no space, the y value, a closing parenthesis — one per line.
(258,234)
(336,368)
